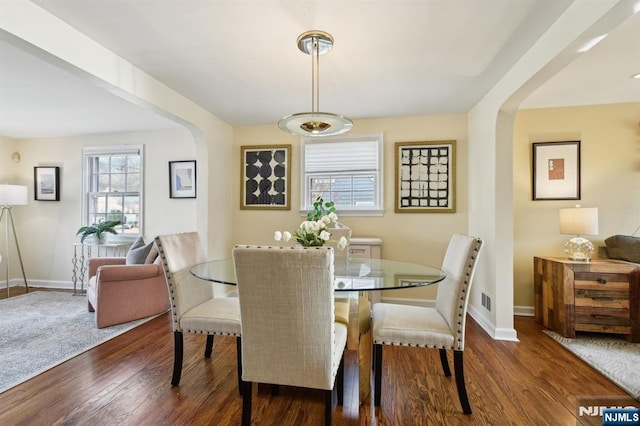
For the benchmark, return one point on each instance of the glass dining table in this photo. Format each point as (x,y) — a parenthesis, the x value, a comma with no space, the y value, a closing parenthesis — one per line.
(356,279)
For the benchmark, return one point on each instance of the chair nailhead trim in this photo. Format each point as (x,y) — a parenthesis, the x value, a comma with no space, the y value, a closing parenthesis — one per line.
(377,342)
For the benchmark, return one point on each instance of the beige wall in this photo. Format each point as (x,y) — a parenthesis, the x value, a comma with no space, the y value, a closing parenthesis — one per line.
(419,237)
(610,159)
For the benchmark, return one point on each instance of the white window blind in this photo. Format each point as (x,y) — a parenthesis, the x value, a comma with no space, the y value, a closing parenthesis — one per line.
(347,171)
(341,156)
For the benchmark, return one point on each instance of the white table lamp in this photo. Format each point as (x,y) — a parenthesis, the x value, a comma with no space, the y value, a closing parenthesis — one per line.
(579,221)
(12,195)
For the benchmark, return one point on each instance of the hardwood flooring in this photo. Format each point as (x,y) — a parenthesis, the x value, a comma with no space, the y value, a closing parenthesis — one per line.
(125,381)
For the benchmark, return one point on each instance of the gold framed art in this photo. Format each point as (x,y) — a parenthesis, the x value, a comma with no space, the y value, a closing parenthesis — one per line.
(264,180)
(425,178)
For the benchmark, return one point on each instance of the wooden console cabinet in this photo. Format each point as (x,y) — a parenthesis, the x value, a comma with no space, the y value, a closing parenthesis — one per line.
(599,296)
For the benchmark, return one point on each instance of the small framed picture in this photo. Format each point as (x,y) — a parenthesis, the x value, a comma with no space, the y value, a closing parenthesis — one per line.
(425,177)
(46,183)
(182,179)
(556,170)
(265,177)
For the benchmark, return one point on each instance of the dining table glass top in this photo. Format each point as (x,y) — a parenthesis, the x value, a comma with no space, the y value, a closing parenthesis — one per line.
(351,274)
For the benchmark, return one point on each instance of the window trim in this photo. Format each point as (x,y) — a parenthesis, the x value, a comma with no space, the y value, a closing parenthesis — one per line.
(92,151)
(377,210)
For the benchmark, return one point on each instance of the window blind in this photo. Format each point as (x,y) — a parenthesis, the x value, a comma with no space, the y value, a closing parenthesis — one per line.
(341,156)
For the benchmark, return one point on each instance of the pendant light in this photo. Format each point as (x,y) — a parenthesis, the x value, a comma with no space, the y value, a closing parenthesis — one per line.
(315,123)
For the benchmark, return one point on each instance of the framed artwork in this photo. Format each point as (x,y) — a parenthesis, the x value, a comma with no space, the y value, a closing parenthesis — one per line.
(46,183)
(264,179)
(182,179)
(425,177)
(556,170)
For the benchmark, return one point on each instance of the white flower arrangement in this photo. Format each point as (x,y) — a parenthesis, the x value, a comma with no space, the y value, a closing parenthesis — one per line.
(315,230)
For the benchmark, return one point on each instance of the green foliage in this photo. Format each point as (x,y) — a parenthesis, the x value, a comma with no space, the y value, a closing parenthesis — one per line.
(308,238)
(320,208)
(98,229)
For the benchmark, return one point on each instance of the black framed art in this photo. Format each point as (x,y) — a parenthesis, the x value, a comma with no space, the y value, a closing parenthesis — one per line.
(264,179)
(556,170)
(425,177)
(46,183)
(182,179)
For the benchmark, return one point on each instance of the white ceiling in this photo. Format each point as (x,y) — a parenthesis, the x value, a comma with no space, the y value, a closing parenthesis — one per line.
(239,60)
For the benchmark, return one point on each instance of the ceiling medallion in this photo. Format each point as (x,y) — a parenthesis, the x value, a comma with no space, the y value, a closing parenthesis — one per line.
(315,123)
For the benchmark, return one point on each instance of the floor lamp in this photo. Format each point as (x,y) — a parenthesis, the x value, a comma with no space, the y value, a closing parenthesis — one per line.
(12,195)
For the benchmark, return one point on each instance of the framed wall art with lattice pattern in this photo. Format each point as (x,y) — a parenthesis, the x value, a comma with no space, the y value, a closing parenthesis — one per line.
(425,177)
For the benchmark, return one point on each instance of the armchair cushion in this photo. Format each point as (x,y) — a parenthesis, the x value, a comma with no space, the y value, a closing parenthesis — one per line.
(623,247)
(138,252)
(152,257)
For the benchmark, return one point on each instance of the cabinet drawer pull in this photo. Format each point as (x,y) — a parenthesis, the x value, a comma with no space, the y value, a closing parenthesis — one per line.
(596,316)
(601,280)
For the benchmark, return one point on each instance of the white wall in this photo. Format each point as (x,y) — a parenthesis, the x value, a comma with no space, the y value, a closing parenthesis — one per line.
(47,228)
(7,167)
(9,174)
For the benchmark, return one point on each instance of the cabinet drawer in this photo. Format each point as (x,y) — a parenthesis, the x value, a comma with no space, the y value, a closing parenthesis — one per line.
(614,319)
(360,251)
(599,328)
(596,299)
(601,280)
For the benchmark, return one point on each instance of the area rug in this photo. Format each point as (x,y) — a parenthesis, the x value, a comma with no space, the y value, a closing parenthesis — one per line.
(43,329)
(614,357)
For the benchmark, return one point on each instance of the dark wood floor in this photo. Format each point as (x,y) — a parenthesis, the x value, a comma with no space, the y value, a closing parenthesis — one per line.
(125,381)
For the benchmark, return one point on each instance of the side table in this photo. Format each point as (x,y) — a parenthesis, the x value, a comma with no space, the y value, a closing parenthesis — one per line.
(80,260)
(598,296)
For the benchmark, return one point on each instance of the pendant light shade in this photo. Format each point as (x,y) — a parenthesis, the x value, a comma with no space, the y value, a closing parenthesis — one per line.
(315,123)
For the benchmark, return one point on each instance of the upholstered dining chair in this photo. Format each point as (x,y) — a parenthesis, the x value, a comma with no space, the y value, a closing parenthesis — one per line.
(194,305)
(289,333)
(441,327)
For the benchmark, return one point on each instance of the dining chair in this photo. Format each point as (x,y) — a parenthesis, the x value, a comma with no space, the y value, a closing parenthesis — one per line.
(194,305)
(289,334)
(441,327)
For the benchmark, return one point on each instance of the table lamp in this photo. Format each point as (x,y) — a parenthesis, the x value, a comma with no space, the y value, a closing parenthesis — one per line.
(579,221)
(12,195)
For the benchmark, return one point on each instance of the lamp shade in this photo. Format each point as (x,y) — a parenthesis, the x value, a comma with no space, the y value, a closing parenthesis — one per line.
(579,221)
(315,124)
(13,195)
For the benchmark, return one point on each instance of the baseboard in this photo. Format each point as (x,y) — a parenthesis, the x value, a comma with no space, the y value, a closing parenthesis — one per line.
(523,311)
(60,285)
(507,334)
(482,320)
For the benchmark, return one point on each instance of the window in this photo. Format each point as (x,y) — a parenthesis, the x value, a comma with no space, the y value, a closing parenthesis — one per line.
(347,171)
(112,187)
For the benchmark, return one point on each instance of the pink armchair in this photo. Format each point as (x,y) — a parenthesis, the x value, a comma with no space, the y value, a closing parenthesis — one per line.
(121,293)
